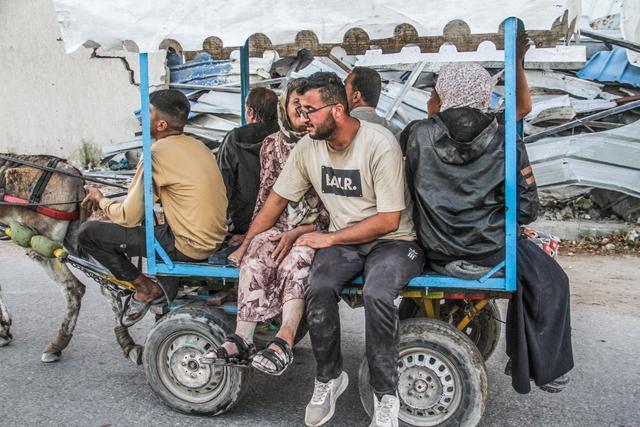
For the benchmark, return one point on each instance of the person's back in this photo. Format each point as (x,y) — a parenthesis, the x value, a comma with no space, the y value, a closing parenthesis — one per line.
(184,174)
(239,157)
(455,171)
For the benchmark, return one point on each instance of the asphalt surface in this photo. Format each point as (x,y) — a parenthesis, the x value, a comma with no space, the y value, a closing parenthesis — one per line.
(93,385)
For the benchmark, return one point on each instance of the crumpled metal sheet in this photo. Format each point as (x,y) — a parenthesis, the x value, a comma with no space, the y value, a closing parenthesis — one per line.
(568,166)
(611,66)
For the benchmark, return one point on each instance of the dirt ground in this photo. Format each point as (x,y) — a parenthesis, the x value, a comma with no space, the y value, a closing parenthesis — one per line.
(611,281)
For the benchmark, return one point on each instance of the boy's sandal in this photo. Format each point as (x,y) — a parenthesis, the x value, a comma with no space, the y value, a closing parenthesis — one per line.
(220,356)
(281,360)
(134,310)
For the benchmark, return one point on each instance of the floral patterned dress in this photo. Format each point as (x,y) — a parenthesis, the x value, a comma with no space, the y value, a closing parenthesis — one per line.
(265,286)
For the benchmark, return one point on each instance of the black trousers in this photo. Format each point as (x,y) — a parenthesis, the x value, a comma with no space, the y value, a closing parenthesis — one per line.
(387,266)
(112,245)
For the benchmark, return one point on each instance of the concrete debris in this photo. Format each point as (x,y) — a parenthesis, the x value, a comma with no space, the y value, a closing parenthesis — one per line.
(582,135)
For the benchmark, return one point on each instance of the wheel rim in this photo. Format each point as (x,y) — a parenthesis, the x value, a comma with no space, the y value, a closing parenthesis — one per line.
(429,387)
(181,372)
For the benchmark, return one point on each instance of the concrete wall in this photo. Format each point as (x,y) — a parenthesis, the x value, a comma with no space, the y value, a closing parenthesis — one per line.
(51,102)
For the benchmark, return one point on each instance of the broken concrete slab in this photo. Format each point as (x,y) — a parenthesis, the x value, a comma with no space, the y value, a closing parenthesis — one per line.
(549,80)
(550,108)
(574,229)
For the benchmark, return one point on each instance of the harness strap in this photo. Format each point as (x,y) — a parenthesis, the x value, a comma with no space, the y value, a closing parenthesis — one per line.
(41,184)
(51,213)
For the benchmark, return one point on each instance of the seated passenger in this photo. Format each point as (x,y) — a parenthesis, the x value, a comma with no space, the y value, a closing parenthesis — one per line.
(363,86)
(455,172)
(239,159)
(188,184)
(274,272)
(356,168)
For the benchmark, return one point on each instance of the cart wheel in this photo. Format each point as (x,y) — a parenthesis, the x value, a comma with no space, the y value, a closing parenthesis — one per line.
(442,377)
(484,329)
(172,362)
(266,331)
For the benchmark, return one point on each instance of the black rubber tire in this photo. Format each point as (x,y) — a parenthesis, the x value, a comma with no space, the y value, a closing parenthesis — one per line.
(266,331)
(483,330)
(209,327)
(437,337)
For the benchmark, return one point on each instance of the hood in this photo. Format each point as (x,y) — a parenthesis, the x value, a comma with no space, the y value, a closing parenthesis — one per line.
(466,134)
(250,137)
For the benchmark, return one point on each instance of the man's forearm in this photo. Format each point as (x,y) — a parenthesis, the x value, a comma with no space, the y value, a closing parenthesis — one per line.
(367,230)
(523,97)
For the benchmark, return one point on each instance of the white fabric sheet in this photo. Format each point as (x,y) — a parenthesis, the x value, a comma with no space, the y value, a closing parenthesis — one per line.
(149,22)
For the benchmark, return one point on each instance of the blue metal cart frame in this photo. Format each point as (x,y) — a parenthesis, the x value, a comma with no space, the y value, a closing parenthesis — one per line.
(166,267)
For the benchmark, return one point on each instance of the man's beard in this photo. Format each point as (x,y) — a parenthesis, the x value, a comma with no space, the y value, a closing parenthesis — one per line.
(325,129)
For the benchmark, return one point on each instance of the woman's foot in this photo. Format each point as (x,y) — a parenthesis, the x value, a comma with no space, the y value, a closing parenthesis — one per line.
(235,351)
(274,359)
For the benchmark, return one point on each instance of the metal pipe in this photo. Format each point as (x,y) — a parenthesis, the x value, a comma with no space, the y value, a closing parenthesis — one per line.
(510,160)
(147,164)
(244,79)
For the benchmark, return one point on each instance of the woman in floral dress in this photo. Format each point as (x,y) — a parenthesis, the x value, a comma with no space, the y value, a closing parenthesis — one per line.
(273,272)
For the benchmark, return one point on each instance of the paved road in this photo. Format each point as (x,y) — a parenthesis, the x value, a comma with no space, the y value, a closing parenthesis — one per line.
(94,386)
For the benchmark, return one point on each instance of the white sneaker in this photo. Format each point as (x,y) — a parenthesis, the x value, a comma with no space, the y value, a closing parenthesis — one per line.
(323,402)
(386,411)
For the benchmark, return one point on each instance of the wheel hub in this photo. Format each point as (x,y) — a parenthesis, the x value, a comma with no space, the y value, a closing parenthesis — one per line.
(418,388)
(187,370)
(427,385)
(183,363)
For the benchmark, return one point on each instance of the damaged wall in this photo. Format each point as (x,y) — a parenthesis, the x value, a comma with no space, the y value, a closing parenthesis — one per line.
(51,102)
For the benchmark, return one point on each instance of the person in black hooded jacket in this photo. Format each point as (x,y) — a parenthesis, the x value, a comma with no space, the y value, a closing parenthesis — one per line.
(239,158)
(455,170)
(455,173)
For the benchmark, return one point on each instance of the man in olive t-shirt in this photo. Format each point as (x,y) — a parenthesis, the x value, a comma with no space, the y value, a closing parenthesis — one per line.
(188,185)
(357,170)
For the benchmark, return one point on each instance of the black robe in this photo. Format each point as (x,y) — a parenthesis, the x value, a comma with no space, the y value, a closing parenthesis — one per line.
(538,328)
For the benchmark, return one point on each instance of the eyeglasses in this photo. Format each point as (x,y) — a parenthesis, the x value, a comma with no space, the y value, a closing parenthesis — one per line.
(306,113)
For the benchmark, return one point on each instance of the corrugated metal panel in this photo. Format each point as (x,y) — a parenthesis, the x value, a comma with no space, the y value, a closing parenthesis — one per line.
(611,66)
(570,165)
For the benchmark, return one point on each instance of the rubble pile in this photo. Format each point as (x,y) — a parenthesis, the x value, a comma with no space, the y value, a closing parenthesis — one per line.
(582,135)
(627,243)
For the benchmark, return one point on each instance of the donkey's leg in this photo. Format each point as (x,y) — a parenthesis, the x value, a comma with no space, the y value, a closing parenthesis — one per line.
(130,349)
(73,290)
(5,324)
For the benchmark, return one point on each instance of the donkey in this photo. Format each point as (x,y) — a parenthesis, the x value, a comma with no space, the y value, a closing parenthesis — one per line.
(20,181)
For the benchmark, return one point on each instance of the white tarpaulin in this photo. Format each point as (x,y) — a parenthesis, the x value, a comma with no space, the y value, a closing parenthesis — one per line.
(149,22)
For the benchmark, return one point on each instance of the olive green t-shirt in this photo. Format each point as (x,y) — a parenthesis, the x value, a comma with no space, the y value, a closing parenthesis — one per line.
(188,183)
(354,184)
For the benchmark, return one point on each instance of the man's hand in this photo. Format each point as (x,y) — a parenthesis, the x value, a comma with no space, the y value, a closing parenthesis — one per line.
(316,240)
(286,241)
(91,201)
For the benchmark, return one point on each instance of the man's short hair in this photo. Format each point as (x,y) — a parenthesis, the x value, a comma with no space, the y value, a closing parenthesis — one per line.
(330,86)
(264,103)
(367,82)
(173,105)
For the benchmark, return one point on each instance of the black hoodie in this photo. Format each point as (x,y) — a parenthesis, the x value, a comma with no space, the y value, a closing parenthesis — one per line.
(455,172)
(239,162)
